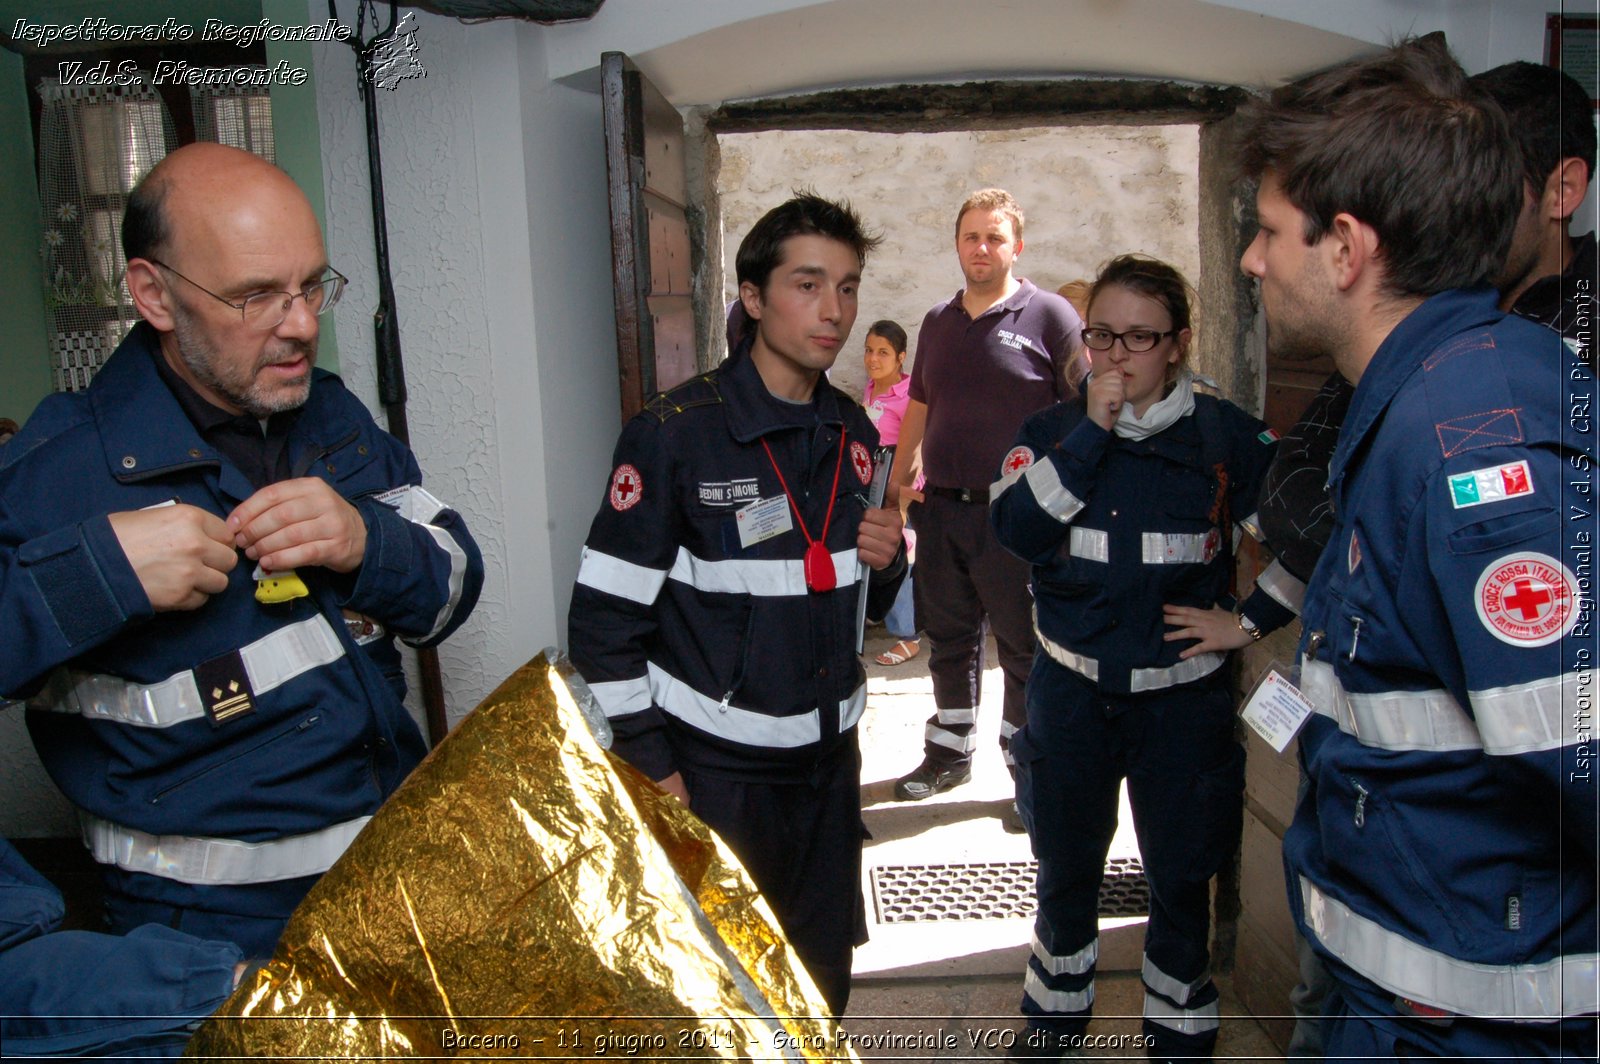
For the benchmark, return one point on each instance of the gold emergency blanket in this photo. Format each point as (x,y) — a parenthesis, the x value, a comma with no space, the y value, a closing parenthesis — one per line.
(524,894)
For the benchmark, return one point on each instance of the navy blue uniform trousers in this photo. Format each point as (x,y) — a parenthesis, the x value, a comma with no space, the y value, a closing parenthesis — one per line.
(1185,774)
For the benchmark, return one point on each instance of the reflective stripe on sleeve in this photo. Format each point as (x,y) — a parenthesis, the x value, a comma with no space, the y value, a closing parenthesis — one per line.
(1184,1021)
(1528,717)
(755,576)
(1091,544)
(269,662)
(1169,987)
(742,725)
(217,862)
(458,576)
(619,577)
(1284,587)
(1048,491)
(621,697)
(1070,964)
(1563,986)
(1001,486)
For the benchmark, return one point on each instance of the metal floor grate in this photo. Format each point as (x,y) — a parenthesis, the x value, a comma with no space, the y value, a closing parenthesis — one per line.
(907,893)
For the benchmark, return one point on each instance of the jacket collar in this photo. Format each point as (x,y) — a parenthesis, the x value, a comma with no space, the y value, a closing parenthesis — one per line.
(1402,353)
(1012,303)
(751,409)
(145,432)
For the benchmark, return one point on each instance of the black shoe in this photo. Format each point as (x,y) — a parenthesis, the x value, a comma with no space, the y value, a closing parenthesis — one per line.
(929,778)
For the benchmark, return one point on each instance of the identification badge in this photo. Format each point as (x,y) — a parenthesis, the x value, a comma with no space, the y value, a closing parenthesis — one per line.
(1276,710)
(760,521)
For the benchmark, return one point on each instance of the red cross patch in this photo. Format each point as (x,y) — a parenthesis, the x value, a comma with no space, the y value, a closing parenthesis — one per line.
(861,461)
(627,487)
(1526,599)
(1016,460)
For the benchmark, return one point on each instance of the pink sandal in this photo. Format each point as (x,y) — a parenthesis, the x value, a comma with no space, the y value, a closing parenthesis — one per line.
(900,653)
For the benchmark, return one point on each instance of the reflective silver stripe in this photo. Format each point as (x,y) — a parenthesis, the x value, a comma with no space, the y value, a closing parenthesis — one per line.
(1252,525)
(957,715)
(741,725)
(1056,1000)
(999,487)
(762,578)
(1071,964)
(1151,679)
(1184,1021)
(1564,986)
(1393,720)
(269,662)
(1090,543)
(624,579)
(1537,715)
(620,697)
(850,709)
(1174,548)
(458,576)
(1048,491)
(1283,586)
(961,744)
(217,862)
(1516,719)
(1167,986)
(1007,729)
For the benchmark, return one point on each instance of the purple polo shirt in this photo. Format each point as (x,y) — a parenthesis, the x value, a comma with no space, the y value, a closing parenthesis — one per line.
(981,379)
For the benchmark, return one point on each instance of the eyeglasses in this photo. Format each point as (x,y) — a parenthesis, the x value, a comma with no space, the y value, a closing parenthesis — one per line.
(1134,341)
(265,311)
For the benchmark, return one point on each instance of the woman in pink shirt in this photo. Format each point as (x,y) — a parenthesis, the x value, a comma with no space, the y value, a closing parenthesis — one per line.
(888,392)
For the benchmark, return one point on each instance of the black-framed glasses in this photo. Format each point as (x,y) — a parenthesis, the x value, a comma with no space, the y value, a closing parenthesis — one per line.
(265,311)
(1134,341)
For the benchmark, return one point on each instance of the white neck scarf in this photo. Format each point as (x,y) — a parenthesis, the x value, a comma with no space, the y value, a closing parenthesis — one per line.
(1178,403)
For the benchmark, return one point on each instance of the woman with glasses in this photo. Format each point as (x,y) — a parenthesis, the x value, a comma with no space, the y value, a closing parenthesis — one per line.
(1124,501)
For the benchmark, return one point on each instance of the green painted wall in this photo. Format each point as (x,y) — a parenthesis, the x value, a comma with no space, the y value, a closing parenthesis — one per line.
(24,357)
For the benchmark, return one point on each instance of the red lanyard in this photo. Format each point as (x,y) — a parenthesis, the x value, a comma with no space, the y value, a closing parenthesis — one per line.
(820,575)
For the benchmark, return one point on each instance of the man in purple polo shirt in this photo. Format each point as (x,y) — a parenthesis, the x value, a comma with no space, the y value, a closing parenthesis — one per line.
(992,354)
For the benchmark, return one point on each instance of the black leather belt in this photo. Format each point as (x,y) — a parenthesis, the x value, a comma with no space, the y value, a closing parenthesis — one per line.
(979,495)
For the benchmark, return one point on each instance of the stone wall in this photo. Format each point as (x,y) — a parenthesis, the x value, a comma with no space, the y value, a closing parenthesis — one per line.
(1089,192)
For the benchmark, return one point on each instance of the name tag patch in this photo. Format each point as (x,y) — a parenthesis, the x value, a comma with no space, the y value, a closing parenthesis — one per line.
(728,492)
(1490,484)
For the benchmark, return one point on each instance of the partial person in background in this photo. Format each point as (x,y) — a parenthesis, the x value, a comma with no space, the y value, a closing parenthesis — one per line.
(1077,293)
(1549,277)
(1124,502)
(990,355)
(888,392)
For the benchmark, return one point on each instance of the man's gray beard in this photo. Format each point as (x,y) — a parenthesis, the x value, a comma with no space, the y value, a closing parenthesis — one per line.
(201,357)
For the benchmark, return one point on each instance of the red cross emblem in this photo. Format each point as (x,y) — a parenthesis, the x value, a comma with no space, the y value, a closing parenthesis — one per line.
(1016,460)
(1526,599)
(627,487)
(861,460)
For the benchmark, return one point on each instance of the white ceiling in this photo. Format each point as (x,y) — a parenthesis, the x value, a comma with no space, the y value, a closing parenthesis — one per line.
(713,50)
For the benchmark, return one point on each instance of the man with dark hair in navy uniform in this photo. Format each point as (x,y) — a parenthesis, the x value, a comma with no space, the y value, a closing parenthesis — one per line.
(714,616)
(1442,862)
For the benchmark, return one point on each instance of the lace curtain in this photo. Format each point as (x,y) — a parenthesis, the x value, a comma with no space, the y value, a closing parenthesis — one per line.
(95,143)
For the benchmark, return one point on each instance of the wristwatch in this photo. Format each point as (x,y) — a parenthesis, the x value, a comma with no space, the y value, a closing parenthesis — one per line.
(1249,627)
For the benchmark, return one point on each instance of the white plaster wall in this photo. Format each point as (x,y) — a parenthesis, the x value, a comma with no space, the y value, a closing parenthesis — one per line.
(1087,193)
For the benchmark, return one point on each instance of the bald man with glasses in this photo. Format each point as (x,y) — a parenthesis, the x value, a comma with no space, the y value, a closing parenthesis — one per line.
(205,559)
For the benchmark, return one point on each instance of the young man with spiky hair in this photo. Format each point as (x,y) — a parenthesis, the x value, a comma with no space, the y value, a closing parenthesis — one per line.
(715,610)
(1443,859)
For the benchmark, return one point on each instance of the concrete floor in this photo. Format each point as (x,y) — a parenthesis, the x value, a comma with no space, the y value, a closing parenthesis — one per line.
(950,989)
